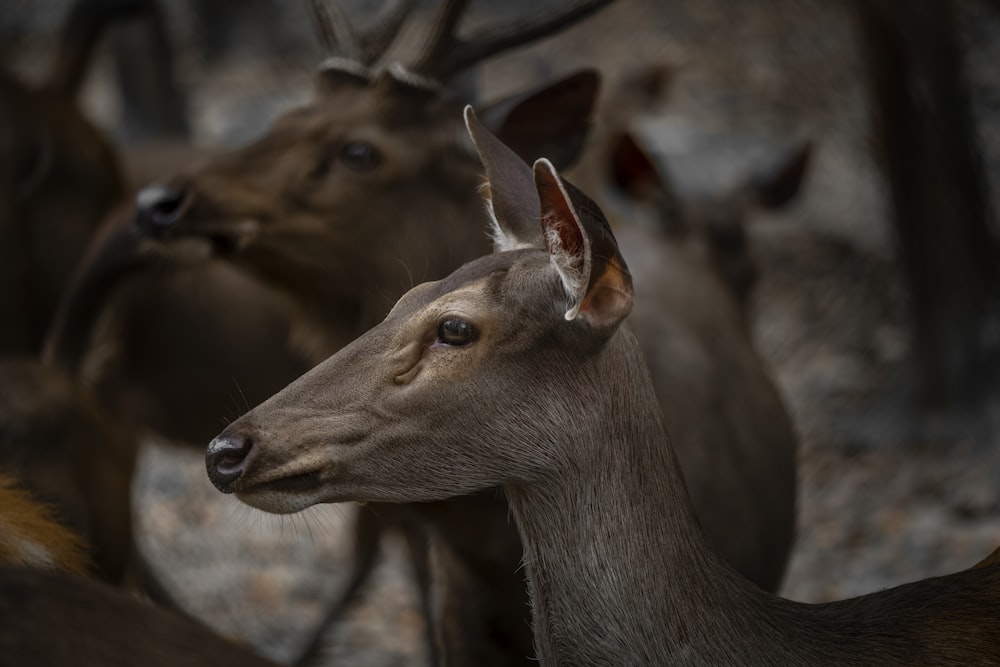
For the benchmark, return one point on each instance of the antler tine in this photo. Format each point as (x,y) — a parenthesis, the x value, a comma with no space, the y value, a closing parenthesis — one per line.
(442,38)
(447,54)
(335,30)
(376,41)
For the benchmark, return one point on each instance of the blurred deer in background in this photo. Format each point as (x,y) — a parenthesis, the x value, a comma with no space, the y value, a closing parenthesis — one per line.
(344,204)
(519,369)
(59,443)
(59,177)
(51,619)
(32,536)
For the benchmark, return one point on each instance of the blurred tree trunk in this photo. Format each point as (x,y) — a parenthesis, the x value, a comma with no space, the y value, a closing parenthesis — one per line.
(923,124)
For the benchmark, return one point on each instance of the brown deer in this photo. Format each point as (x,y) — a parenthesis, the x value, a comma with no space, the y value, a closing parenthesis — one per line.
(282,209)
(62,447)
(59,177)
(349,200)
(50,619)
(166,318)
(519,370)
(32,536)
(331,303)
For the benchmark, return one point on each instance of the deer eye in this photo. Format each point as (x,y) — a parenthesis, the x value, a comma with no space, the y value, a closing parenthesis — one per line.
(360,156)
(455,332)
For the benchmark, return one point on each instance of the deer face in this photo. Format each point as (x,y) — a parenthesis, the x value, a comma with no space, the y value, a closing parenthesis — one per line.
(326,199)
(434,365)
(455,390)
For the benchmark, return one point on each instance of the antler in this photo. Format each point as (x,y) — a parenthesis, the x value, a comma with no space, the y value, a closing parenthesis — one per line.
(342,39)
(445,54)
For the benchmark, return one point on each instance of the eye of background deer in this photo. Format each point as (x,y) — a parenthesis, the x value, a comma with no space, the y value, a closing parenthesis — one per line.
(455,332)
(360,156)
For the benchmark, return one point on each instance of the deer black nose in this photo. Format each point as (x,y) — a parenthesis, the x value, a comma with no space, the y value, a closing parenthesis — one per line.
(225,459)
(158,208)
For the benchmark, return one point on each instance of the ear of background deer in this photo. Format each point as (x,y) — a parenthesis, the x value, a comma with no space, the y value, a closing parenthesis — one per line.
(635,172)
(552,121)
(583,251)
(511,198)
(81,30)
(632,169)
(778,185)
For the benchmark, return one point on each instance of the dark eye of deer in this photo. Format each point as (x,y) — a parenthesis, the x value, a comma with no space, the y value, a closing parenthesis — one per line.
(455,332)
(360,156)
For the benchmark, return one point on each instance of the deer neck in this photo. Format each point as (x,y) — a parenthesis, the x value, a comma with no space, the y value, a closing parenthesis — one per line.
(618,570)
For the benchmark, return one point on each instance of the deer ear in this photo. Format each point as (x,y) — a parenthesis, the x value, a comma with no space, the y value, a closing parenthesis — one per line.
(552,121)
(636,174)
(584,252)
(779,184)
(510,193)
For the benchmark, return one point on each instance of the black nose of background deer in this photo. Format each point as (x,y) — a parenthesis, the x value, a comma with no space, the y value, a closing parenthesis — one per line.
(225,459)
(158,208)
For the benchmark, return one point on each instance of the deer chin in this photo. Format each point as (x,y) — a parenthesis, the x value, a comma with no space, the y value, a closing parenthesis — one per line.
(284,495)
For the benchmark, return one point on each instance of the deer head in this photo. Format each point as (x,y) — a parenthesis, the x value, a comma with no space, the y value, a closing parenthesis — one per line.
(353,198)
(422,402)
(320,225)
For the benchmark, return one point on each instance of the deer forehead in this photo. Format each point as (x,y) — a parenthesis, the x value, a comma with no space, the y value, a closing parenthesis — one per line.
(483,285)
(427,303)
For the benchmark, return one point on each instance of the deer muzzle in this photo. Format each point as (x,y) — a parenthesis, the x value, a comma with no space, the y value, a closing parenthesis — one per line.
(158,208)
(226,459)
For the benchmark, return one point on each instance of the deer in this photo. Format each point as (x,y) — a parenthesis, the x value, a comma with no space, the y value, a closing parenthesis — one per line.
(64,448)
(50,618)
(125,261)
(61,176)
(520,369)
(332,180)
(57,167)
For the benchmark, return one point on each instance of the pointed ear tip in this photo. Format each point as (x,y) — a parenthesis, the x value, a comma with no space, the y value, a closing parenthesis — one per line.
(472,124)
(543,165)
(469,114)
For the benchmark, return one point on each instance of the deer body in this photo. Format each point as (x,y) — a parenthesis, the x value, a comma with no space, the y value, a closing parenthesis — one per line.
(716,393)
(60,176)
(66,451)
(518,370)
(31,536)
(50,619)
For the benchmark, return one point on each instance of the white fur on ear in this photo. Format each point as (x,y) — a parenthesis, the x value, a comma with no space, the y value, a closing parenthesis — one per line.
(501,241)
(509,192)
(565,237)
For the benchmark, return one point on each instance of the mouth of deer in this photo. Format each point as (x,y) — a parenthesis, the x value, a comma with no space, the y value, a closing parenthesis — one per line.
(301,483)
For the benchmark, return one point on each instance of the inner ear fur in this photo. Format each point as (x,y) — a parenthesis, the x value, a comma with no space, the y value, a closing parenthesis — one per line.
(511,197)
(584,252)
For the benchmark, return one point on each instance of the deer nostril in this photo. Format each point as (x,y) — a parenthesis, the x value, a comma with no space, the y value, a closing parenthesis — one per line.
(225,459)
(158,207)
